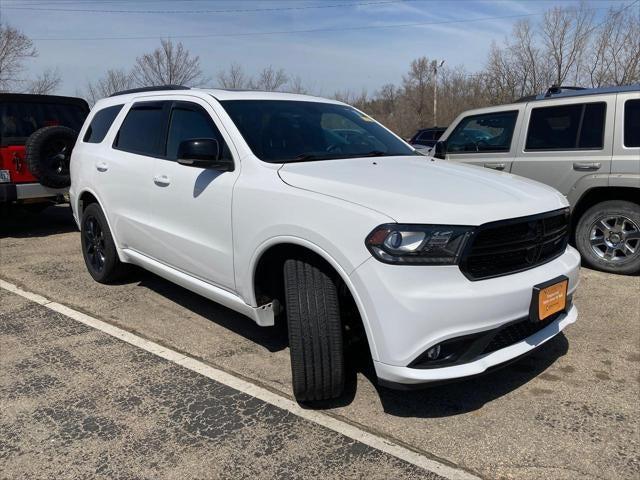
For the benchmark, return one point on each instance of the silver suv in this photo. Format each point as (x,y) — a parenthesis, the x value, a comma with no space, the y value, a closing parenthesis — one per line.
(583,142)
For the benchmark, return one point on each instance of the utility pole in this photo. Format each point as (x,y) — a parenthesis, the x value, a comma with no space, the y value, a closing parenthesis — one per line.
(435,91)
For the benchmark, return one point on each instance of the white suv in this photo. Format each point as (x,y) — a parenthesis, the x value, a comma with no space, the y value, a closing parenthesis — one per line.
(289,206)
(585,143)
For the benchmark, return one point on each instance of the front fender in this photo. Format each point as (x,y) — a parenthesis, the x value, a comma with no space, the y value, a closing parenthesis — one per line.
(344,275)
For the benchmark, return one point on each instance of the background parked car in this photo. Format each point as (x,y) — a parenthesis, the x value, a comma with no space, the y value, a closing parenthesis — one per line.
(426,138)
(583,142)
(37,134)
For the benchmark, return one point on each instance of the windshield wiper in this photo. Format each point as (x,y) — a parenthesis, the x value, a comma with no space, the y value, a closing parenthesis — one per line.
(312,156)
(306,156)
(373,153)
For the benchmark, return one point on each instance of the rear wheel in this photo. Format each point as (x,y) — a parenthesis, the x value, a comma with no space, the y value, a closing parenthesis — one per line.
(98,248)
(608,237)
(315,331)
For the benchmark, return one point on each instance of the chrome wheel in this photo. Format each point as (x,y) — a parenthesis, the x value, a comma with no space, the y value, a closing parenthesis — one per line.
(94,243)
(615,238)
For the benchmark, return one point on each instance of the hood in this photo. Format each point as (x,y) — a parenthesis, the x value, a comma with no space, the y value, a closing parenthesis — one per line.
(417,189)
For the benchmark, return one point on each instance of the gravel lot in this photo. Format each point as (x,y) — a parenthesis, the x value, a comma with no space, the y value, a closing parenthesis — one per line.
(570,410)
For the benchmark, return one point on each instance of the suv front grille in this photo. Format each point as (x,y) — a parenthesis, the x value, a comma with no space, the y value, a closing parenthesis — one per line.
(510,246)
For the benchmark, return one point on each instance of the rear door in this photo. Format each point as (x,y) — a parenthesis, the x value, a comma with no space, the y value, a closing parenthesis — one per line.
(486,139)
(567,140)
(626,144)
(192,205)
(124,173)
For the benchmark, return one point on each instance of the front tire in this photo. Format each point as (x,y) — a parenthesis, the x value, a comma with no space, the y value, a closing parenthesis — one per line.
(608,237)
(315,331)
(98,248)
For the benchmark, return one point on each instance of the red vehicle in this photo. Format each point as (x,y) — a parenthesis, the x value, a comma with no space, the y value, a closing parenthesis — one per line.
(37,134)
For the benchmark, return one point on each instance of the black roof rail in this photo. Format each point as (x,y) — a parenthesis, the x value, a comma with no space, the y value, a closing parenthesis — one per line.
(555,89)
(150,89)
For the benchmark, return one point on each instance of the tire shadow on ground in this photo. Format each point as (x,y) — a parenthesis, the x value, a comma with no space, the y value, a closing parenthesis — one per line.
(443,400)
(464,395)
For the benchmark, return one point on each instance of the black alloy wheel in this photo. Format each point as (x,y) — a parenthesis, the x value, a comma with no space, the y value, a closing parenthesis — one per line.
(94,243)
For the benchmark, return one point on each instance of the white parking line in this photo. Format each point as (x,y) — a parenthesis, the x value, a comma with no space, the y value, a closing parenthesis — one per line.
(326,420)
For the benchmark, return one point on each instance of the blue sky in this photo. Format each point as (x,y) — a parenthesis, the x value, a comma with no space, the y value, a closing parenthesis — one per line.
(326,61)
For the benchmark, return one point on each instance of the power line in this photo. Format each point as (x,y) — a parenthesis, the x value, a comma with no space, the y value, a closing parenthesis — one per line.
(202,11)
(313,30)
(282,32)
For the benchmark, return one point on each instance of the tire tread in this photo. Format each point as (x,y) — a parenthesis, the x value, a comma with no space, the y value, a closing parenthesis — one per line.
(315,331)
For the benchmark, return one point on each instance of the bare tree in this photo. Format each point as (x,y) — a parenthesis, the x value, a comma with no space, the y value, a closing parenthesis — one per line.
(270,79)
(15,48)
(359,100)
(502,80)
(565,35)
(234,78)
(112,81)
(169,64)
(45,83)
(614,57)
(388,95)
(297,85)
(418,86)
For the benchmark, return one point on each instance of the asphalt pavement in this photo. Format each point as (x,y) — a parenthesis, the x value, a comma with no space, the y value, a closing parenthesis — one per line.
(75,402)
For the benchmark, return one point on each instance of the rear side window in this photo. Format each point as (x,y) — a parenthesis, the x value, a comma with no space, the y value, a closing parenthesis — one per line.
(142,129)
(567,127)
(632,123)
(490,132)
(101,123)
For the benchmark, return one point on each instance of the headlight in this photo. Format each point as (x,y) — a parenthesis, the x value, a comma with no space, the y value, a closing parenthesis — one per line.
(418,244)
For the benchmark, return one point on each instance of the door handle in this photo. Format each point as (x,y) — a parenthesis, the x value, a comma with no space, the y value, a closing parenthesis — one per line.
(102,167)
(586,166)
(161,180)
(495,166)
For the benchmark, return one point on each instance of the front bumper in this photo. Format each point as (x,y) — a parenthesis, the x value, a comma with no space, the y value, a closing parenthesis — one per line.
(408,309)
(405,375)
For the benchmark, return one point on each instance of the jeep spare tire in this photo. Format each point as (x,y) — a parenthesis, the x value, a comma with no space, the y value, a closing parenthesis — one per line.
(47,153)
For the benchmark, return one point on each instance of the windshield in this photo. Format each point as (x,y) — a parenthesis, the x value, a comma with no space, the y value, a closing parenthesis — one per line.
(282,131)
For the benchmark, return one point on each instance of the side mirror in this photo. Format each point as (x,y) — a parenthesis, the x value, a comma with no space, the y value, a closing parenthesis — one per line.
(440,150)
(203,153)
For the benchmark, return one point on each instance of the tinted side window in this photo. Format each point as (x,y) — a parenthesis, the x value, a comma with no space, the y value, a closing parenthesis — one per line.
(592,130)
(189,122)
(491,132)
(567,127)
(632,123)
(101,123)
(142,129)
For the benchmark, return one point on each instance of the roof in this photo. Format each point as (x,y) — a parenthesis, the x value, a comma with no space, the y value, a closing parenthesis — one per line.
(32,98)
(563,92)
(218,93)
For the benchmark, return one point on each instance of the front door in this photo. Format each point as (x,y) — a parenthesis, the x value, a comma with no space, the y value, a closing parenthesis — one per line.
(192,205)
(565,142)
(485,139)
